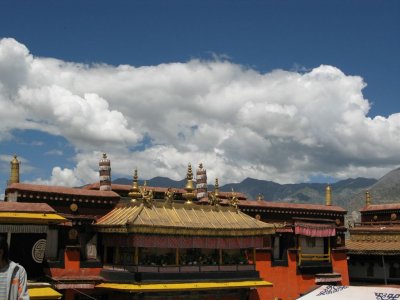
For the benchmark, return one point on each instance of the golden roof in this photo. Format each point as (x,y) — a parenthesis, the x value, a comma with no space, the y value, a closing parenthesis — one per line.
(373,247)
(181,219)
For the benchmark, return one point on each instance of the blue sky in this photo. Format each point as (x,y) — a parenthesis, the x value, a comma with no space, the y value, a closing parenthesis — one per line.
(361,40)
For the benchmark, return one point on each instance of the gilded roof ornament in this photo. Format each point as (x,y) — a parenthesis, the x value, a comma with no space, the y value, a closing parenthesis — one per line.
(368,198)
(169,196)
(147,196)
(260,197)
(14,174)
(134,192)
(15,159)
(328,195)
(189,195)
(215,201)
(234,200)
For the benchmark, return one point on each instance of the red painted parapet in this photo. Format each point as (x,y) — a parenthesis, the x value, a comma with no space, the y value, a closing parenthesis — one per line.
(287,282)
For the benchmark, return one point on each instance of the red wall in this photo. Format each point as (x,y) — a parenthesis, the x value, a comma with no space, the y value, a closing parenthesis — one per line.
(72,270)
(72,266)
(339,263)
(287,284)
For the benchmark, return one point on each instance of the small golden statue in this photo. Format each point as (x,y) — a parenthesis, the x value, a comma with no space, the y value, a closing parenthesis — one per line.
(147,195)
(234,200)
(214,201)
(169,196)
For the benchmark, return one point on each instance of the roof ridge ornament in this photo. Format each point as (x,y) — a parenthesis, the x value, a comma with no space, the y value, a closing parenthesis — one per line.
(260,197)
(147,196)
(14,174)
(368,198)
(169,196)
(328,195)
(189,188)
(134,192)
(215,200)
(234,201)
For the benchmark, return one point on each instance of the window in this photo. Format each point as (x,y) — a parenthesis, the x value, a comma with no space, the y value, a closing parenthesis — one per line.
(310,241)
(370,270)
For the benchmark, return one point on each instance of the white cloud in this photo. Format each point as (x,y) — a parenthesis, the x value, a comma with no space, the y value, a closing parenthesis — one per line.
(60,177)
(54,152)
(283,125)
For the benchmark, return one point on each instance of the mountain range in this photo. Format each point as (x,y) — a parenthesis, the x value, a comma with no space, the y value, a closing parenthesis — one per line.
(348,193)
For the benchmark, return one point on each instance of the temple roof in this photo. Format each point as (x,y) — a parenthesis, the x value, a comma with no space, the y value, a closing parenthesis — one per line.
(26,187)
(290,206)
(28,213)
(25,207)
(181,219)
(374,239)
(373,247)
(376,228)
(380,207)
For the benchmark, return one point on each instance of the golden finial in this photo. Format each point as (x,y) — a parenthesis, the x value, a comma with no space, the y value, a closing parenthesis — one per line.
(216,188)
(189,188)
(328,195)
(368,198)
(260,197)
(134,192)
(14,175)
(189,172)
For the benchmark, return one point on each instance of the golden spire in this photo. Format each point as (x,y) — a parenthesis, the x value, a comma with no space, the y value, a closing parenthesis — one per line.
(134,192)
(14,176)
(216,188)
(328,195)
(368,198)
(189,188)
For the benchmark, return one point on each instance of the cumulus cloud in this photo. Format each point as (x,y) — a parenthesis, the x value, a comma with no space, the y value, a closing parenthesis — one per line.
(282,125)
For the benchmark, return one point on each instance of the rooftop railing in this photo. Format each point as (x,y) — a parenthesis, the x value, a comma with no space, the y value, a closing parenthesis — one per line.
(180,269)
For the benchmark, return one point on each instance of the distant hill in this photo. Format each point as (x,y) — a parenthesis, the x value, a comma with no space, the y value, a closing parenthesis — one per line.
(385,190)
(342,190)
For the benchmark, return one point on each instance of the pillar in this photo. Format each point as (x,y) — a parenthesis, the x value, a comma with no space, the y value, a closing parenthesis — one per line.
(136,256)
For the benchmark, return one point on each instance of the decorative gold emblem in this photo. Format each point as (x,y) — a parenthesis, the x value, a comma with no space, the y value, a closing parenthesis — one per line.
(73,207)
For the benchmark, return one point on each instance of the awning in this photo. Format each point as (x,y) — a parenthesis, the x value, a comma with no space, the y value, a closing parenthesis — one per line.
(190,286)
(43,293)
(23,228)
(41,218)
(315,229)
(328,278)
(284,230)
